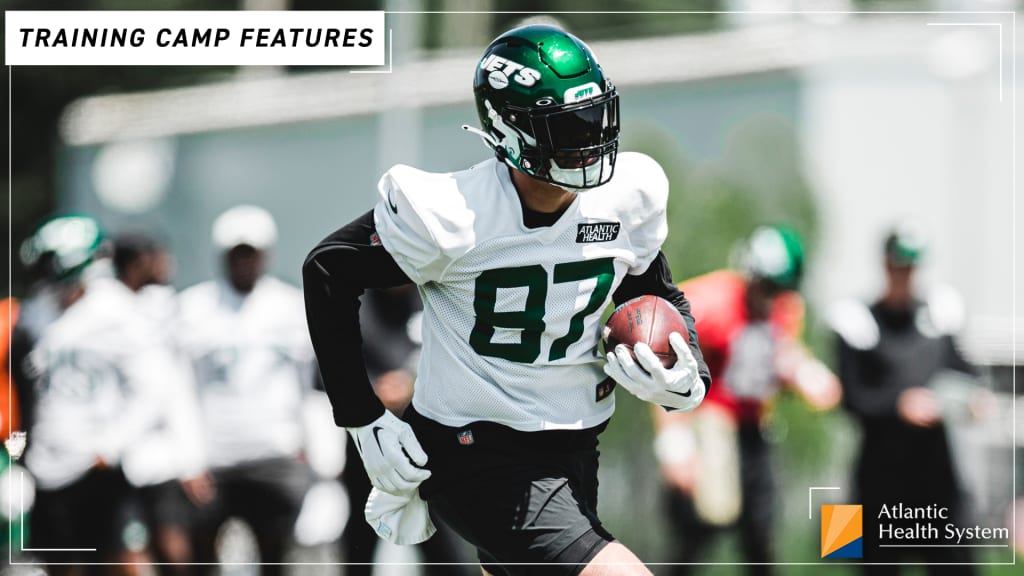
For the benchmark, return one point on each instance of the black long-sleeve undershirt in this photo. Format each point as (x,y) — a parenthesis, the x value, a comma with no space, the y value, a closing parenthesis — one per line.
(347,262)
(334,276)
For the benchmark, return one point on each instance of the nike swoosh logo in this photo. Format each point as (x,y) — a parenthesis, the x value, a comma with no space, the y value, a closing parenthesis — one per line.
(683,394)
(391,203)
(376,430)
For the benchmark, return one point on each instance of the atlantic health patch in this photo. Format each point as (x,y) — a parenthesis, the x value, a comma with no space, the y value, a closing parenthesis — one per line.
(597,232)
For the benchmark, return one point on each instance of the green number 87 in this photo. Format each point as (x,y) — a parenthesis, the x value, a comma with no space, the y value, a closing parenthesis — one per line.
(530,320)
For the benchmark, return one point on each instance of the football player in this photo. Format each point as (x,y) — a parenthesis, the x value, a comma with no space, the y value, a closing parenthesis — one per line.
(101,366)
(515,258)
(244,336)
(897,357)
(716,465)
(165,462)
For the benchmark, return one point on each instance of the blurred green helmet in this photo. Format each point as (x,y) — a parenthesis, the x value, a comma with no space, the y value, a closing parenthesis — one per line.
(62,247)
(775,254)
(546,108)
(905,245)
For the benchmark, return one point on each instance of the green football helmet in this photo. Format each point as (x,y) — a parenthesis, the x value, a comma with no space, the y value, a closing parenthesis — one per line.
(906,244)
(546,108)
(62,247)
(775,254)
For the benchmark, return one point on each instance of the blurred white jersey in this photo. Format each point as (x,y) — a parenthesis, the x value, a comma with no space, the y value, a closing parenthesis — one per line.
(102,365)
(173,448)
(512,314)
(160,304)
(39,310)
(252,361)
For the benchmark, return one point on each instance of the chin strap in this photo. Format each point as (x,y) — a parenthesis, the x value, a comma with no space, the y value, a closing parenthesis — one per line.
(487,138)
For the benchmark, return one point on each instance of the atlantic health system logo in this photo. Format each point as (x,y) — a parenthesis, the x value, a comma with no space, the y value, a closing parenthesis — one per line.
(842,531)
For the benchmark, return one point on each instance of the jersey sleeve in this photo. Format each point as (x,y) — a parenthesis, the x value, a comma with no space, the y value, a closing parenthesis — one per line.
(422,221)
(147,367)
(863,393)
(649,224)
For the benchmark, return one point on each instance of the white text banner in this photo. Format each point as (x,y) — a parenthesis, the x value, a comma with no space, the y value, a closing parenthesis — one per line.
(195,38)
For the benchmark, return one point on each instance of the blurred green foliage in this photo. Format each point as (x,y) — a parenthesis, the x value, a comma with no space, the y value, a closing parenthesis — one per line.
(712,205)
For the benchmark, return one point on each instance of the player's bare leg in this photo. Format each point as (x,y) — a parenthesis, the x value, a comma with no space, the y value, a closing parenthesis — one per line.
(175,547)
(615,560)
(130,563)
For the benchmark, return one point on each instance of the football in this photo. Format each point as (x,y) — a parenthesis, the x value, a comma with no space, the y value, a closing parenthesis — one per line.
(647,319)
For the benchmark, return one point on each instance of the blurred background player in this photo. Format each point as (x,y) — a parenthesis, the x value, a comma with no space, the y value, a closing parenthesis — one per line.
(715,462)
(166,461)
(100,365)
(246,339)
(893,358)
(391,325)
(51,243)
(29,317)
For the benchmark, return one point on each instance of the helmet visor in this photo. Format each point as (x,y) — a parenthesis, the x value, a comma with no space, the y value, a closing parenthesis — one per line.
(584,125)
(580,128)
(577,136)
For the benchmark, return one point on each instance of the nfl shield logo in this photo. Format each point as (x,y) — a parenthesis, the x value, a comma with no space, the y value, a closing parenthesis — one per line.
(465,437)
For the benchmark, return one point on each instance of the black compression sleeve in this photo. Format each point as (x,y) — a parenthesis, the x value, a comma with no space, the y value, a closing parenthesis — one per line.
(334,276)
(864,393)
(657,280)
(955,360)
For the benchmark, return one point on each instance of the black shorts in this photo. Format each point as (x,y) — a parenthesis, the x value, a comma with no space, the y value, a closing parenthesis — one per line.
(100,510)
(167,505)
(526,500)
(266,494)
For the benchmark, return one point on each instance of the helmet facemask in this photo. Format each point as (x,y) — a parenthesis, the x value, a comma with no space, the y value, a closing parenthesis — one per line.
(573,145)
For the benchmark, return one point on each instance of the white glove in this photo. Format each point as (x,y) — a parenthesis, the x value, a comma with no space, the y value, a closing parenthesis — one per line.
(402,519)
(392,456)
(678,388)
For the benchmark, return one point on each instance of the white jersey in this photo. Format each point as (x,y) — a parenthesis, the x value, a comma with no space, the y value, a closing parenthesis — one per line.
(102,365)
(511,314)
(39,310)
(252,361)
(174,447)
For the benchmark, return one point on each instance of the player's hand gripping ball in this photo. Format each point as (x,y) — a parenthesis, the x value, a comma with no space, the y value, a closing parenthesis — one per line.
(647,319)
(646,341)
